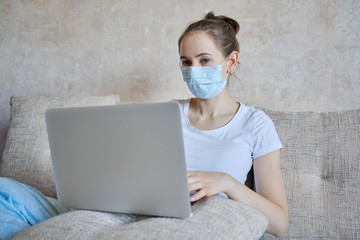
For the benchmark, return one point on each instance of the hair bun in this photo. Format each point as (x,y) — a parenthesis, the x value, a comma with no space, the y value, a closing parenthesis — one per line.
(210,16)
(233,23)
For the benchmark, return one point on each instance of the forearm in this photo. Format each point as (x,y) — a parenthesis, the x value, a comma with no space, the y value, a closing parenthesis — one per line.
(277,215)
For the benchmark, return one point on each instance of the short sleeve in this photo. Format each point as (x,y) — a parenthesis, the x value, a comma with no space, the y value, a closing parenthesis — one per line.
(264,135)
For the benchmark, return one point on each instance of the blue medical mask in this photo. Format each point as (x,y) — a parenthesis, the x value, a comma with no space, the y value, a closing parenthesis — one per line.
(204,82)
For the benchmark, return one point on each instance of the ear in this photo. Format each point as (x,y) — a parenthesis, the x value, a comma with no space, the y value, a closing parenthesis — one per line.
(234,58)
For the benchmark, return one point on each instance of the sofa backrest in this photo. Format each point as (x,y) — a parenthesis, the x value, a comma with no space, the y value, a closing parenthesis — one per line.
(321,169)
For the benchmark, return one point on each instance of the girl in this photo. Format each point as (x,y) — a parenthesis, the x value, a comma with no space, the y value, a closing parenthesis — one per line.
(222,137)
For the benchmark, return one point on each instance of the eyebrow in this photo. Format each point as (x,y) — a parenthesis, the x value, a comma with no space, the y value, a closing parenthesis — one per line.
(200,54)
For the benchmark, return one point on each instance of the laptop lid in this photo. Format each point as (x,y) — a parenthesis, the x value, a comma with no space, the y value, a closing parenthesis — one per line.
(120,158)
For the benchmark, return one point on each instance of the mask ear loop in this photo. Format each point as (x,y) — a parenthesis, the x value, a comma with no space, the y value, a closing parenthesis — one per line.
(225,60)
(227,74)
(225,79)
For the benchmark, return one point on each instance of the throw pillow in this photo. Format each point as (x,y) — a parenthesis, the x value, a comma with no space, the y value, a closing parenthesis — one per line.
(26,156)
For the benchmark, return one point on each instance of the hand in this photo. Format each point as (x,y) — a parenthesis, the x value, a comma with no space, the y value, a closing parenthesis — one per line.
(207,183)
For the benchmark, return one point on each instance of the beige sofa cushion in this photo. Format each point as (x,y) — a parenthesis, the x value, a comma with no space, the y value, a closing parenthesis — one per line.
(220,218)
(26,156)
(321,167)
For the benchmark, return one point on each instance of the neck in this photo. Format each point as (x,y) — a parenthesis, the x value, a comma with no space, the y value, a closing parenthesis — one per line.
(217,106)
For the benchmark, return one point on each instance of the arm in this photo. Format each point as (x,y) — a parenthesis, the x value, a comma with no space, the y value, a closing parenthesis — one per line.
(270,198)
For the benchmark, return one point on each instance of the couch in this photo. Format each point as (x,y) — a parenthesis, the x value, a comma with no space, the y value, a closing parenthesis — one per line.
(319,161)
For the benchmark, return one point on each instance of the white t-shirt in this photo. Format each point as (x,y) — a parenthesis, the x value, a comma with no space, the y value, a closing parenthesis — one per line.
(230,148)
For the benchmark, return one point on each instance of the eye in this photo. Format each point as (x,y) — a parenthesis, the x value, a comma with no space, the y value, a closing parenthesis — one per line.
(186,63)
(205,61)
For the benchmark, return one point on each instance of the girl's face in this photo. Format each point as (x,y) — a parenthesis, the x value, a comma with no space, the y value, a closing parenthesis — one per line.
(198,49)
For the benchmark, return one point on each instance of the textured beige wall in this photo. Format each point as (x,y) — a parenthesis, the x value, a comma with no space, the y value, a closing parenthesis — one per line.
(295,54)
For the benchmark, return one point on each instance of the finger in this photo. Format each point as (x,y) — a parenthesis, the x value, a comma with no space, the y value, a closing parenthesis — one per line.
(193,178)
(197,196)
(195,186)
(190,172)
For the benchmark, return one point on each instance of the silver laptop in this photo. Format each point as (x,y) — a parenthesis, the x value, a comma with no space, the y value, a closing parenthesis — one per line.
(120,158)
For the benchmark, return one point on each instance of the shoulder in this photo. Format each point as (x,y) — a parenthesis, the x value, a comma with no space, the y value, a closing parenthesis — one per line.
(181,102)
(183,105)
(259,122)
(264,134)
(255,115)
